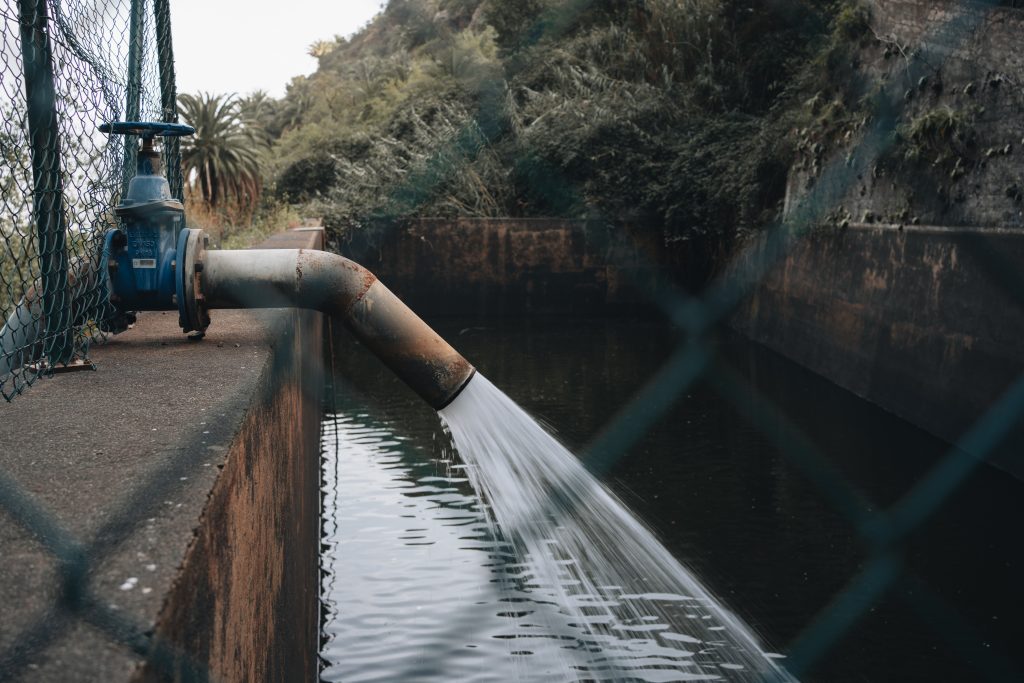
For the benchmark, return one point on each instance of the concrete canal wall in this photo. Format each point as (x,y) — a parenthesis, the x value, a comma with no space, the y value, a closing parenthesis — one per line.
(245,604)
(907,317)
(890,299)
(913,318)
(511,266)
(189,472)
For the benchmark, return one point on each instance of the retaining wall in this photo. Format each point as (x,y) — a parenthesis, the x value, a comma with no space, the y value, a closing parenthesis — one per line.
(911,21)
(909,318)
(969,59)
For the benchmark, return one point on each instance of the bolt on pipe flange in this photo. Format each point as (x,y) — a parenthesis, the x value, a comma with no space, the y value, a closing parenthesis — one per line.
(193,313)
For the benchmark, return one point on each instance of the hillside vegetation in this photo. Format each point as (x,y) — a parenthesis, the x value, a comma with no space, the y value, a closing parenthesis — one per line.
(673,116)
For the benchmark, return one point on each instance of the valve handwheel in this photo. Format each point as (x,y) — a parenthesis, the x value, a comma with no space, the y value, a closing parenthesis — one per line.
(147,129)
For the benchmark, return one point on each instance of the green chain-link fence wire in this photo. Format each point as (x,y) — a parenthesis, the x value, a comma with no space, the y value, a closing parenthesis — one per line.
(65,67)
(91,53)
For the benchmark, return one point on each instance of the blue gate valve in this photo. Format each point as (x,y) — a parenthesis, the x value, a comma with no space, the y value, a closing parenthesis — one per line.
(154,262)
(145,258)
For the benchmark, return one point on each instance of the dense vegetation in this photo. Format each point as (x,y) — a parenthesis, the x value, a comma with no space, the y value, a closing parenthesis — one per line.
(675,116)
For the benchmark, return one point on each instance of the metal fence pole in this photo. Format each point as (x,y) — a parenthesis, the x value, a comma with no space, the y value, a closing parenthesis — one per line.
(48,186)
(133,106)
(168,95)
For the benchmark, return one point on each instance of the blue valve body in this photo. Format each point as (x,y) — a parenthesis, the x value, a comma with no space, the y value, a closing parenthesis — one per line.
(144,261)
(142,257)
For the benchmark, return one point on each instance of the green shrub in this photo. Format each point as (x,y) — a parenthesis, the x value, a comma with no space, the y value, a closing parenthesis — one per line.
(675,117)
(940,136)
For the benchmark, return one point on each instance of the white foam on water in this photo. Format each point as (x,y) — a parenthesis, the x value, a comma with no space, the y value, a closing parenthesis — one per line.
(591,556)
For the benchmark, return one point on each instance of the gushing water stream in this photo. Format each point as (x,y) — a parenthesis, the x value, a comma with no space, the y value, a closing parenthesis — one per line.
(633,611)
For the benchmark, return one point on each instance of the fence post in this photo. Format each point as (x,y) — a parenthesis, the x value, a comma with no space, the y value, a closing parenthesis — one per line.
(168,96)
(48,186)
(133,106)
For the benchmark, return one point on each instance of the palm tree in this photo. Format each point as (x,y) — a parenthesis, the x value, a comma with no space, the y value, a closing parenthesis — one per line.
(256,107)
(258,112)
(321,48)
(223,158)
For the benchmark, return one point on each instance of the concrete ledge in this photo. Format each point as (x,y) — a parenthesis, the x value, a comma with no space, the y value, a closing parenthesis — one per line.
(189,474)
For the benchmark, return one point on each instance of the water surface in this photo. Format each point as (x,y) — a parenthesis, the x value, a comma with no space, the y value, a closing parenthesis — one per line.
(412,579)
(415,586)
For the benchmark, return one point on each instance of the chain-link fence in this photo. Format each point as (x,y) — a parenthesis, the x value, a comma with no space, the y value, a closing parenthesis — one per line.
(66,67)
(69,65)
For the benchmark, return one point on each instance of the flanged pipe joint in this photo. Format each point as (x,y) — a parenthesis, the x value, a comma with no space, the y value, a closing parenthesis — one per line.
(155,263)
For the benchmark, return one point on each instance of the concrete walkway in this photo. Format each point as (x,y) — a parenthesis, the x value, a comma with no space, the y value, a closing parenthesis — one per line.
(141,465)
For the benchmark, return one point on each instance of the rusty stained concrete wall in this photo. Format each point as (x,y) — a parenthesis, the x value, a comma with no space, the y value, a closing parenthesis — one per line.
(189,473)
(910,319)
(245,605)
(893,308)
(510,266)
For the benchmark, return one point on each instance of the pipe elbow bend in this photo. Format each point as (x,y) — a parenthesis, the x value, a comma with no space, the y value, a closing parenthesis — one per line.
(344,289)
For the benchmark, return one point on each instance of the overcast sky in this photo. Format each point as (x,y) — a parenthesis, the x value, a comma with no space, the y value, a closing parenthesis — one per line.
(224,46)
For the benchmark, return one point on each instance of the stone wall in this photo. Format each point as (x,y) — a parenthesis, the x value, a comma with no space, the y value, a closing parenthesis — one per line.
(912,21)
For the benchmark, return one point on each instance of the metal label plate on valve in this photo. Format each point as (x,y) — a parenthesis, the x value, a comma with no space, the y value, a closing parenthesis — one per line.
(144,243)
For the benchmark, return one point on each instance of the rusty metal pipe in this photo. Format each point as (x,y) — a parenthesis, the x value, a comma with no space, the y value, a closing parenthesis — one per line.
(332,284)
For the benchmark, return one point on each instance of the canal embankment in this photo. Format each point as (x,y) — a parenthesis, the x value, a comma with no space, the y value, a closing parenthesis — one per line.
(188,473)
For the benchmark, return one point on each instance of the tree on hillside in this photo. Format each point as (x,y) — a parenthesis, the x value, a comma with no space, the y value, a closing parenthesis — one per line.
(258,111)
(321,48)
(222,160)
